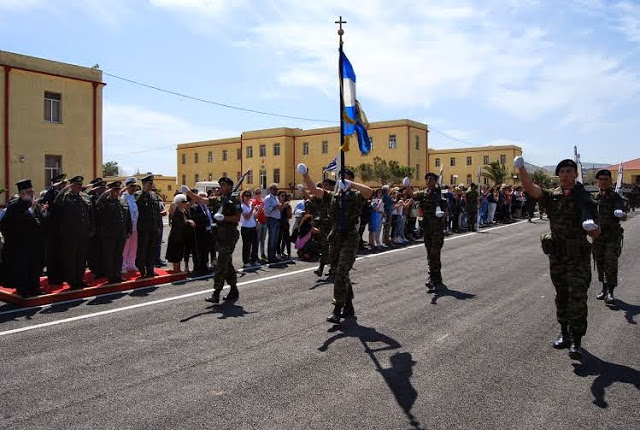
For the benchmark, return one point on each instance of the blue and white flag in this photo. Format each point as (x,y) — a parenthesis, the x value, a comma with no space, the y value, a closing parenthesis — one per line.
(333,165)
(354,120)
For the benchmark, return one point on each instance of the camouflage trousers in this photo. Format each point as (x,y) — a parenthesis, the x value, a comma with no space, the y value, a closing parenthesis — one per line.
(224,268)
(324,243)
(571,278)
(606,250)
(433,241)
(342,255)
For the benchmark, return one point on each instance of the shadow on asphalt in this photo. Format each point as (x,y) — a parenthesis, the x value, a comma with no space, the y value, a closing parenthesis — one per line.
(630,311)
(606,375)
(397,377)
(443,291)
(225,309)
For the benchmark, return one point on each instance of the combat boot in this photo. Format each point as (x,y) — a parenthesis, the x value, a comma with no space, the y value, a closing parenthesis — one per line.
(335,315)
(319,271)
(575,350)
(602,294)
(348,311)
(563,340)
(609,299)
(215,297)
(234,294)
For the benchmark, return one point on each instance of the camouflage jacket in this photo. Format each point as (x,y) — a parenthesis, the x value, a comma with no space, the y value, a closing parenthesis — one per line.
(428,200)
(567,209)
(353,202)
(607,202)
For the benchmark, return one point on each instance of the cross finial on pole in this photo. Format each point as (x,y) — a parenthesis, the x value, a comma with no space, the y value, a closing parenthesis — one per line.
(340,22)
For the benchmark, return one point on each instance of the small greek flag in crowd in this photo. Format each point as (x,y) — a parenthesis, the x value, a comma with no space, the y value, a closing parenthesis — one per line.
(333,165)
(354,120)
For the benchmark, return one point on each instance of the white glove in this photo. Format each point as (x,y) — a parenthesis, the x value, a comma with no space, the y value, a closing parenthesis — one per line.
(300,187)
(518,162)
(589,225)
(619,213)
(439,212)
(406,181)
(344,184)
(302,168)
(184,189)
(218,217)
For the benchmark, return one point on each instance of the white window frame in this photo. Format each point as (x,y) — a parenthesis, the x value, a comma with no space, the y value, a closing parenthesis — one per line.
(52,99)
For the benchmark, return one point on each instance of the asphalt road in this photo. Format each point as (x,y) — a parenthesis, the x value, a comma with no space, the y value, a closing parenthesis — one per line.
(477,355)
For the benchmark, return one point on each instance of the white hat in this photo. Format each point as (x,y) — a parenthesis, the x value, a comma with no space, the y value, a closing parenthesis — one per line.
(179,198)
(130,180)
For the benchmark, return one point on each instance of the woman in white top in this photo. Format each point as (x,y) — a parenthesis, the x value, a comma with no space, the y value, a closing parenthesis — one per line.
(248,231)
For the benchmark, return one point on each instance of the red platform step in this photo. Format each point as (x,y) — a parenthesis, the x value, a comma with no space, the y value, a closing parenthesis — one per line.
(98,286)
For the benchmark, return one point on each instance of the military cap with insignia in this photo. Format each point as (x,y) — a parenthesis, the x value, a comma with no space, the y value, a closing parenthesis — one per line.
(24,184)
(431,175)
(76,180)
(566,163)
(148,178)
(95,181)
(114,185)
(225,179)
(603,172)
(58,178)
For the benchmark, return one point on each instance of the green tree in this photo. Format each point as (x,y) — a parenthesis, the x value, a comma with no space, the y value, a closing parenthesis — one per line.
(398,172)
(382,171)
(496,172)
(365,172)
(110,168)
(542,178)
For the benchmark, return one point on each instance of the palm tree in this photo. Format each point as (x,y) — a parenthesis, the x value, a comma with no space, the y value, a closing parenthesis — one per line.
(496,172)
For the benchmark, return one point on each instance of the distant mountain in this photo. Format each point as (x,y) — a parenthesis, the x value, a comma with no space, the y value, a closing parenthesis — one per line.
(533,168)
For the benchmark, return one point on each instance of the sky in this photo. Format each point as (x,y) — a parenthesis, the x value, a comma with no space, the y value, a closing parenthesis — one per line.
(544,75)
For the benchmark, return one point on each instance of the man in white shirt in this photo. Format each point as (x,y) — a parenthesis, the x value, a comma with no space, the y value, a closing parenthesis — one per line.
(272,209)
(131,245)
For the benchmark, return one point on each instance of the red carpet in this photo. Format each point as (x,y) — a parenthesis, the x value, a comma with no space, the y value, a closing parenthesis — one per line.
(60,293)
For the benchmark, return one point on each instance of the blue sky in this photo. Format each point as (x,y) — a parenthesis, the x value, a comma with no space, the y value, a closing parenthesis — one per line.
(544,75)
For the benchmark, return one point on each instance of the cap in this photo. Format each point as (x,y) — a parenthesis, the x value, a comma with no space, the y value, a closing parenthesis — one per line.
(603,172)
(148,178)
(24,184)
(226,180)
(130,180)
(430,175)
(114,185)
(76,180)
(99,184)
(348,174)
(566,163)
(58,178)
(96,181)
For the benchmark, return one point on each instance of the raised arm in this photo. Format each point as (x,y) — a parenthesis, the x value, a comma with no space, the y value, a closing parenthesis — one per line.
(532,189)
(311,186)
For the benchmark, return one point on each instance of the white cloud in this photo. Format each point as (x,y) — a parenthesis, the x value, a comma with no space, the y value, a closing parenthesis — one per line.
(145,140)
(208,7)
(629,20)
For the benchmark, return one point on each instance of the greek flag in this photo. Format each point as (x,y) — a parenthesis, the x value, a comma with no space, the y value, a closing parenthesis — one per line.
(354,119)
(333,165)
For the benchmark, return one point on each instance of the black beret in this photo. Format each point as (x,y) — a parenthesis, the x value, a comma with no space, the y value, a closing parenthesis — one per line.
(603,172)
(349,172)
(225,179)
(24,184)
(431,174)
(566,163)
(76,180)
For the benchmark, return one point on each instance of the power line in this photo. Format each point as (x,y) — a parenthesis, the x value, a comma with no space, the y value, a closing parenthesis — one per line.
(450,137)
(211,102)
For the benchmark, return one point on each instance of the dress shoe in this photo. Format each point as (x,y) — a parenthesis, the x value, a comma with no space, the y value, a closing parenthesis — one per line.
(562,341)
(575,350)
(602,294)
(609,299)
(234,294)
(215,297)
(334,318)
(116,280)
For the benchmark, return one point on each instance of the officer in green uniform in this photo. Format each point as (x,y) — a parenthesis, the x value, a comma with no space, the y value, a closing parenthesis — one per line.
(227,218)
(472,206)
(148,219)
(571,212)
(433,210)
(113,227)
(607,247)
(345,206)
(76,219)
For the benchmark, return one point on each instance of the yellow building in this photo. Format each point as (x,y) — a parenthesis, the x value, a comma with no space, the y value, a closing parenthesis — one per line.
(630,174)
(273,154)
(165,185)
(460,165)
(50,120)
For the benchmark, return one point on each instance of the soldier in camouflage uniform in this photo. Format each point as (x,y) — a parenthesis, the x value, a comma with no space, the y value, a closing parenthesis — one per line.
(345,206)
(607,247)
(323,221)
(433,209)
(227,220)
(571,212)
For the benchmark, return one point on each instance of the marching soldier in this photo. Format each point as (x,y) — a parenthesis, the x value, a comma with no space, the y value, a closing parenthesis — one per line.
(227,218)
(322,219)
(431,202)
(53,251)
(571,212)
(114,226)
(344,208)
(21,227)
(148,218)
(608,246)
(77,224)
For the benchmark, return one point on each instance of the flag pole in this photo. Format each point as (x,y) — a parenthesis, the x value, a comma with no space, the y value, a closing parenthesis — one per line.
(341,83)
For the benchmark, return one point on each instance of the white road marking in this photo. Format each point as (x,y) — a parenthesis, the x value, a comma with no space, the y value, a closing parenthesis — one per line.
(443,337)
(196,293)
